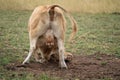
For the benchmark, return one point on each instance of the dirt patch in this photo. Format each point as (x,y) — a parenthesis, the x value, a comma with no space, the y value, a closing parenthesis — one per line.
(90,67)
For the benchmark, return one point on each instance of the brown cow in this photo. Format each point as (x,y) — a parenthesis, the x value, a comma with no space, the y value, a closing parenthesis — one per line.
(49,17)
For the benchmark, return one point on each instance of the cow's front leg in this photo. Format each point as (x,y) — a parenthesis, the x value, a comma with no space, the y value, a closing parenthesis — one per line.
(42,59)
(61,53)
(38,55)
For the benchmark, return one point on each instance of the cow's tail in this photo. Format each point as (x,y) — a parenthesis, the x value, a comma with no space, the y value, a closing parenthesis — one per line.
(74,24)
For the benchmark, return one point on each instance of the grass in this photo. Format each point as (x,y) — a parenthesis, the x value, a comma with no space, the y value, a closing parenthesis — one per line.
(24,76)
(96,33)
(83,6)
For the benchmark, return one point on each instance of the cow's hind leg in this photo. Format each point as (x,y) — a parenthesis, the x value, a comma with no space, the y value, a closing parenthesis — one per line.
(61,53)
(31,50)
(40,58)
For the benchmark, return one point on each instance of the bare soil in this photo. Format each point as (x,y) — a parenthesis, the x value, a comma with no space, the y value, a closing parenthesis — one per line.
(89,67)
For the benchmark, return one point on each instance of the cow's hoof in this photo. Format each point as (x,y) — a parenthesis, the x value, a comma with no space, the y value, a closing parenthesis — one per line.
(25,62)
(63,66)
(68,56)
(41,60)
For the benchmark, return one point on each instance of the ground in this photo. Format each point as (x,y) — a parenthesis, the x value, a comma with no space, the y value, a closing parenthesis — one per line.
(97,66)
(96,49)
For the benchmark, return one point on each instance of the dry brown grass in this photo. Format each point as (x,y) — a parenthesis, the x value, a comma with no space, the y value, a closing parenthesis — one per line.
(83,6)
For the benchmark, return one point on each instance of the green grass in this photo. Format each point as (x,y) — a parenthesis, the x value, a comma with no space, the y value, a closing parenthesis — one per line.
(96,33)
(24,76)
